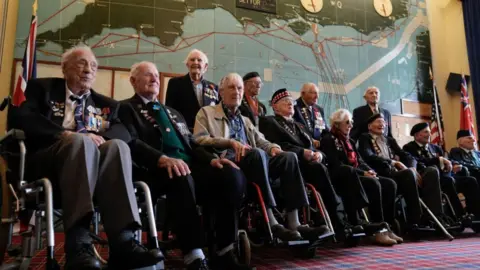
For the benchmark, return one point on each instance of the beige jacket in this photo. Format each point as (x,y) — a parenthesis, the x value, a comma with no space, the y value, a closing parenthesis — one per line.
(211,129)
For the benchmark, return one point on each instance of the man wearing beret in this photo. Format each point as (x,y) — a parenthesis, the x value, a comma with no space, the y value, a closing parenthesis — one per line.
(428,154)
(251,107)
(309,114)
(362,113)
(466,155)
(292,136)
(387,158)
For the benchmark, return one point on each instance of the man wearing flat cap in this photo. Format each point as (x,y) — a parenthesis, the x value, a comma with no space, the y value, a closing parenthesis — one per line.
(309,114)
(466,155)
(251,107)
(292,136)
(428,154)
(387,158)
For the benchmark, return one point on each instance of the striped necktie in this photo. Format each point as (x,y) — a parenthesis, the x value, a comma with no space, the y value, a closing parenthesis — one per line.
(78,113)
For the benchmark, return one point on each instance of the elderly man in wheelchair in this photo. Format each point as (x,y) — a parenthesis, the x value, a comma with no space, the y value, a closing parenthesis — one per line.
(75,139)
(237,139)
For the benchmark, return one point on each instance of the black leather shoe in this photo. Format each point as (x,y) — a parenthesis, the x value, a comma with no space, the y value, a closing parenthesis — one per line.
(285,234)
(228,261)
(132,254)
(198,264)
(82,258)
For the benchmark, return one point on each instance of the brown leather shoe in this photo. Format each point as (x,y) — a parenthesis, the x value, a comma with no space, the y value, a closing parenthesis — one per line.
(285,234)
(382,239)
(395,237)
(308,232)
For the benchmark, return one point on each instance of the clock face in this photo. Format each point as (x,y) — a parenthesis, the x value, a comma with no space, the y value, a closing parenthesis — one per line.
(312,6)
(383,7)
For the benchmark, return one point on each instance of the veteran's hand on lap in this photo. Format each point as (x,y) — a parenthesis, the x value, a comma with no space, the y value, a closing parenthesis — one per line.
(98,140)
(219,162)
(174,166)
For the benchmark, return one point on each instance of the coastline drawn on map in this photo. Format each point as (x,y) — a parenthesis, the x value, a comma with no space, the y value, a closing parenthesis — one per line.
(345,47)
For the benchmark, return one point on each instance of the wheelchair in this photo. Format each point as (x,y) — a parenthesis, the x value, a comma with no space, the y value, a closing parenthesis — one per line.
(21,197)
(255,231)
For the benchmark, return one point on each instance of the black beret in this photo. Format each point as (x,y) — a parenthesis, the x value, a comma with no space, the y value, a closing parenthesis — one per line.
(279,94)
(463,133)
(374,117)
(250,75)
(418,127)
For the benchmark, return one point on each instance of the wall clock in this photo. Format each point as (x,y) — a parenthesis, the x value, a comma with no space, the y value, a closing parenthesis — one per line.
(383,7)
(312,6)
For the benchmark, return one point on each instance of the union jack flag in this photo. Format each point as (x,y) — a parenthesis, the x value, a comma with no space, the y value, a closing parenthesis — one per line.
(436,119)
(466,120)
(29,64)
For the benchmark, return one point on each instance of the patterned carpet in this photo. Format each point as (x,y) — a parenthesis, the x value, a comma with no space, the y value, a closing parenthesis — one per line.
(462,253)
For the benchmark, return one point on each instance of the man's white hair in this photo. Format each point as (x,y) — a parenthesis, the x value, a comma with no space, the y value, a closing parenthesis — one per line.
(339,116)
(370,88)
(307,86)
(67,55)
(227,79)
(203,56)
(135,67)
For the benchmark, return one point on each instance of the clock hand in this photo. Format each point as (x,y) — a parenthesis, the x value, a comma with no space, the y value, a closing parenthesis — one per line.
(384,10)
(313,5)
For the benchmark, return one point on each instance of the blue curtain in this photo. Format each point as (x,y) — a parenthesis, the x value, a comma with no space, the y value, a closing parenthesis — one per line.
(471,16)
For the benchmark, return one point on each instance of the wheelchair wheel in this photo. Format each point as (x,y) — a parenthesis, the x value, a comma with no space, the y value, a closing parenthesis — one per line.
(243,249)
(99,257)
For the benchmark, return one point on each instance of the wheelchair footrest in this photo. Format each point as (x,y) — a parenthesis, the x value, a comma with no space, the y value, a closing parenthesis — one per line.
(296,243)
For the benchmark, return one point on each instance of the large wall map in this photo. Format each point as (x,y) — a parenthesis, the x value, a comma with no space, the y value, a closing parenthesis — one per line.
(344,48)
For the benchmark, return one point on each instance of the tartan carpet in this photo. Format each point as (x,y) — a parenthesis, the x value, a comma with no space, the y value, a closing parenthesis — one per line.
(461,253)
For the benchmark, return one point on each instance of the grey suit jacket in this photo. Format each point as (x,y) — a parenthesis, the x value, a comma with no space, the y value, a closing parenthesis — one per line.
(211,129)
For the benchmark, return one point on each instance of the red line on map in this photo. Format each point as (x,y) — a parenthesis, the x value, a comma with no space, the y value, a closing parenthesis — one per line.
(56,13)
(324,53)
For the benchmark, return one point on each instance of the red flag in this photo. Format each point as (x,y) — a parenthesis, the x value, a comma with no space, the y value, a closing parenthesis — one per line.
(466,120)
(29,64)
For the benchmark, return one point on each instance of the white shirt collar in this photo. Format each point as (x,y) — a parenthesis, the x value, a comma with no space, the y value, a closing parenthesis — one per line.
(146,101)
(422,146)
(466,150)
(69,93)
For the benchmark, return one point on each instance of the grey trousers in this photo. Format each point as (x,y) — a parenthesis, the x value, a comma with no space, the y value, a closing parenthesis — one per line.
(83,172)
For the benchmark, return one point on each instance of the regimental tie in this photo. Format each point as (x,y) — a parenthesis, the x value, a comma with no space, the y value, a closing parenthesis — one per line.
(78,112)
(473,156)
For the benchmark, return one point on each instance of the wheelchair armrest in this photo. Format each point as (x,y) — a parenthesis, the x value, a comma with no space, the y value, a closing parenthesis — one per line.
(13,134)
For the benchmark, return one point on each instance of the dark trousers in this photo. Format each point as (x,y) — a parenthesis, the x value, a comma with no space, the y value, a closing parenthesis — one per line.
(448,185)
(381,195)
(259,168)
(81,171)
(317,175)
(471,191)
(348,185)
(181,207)
(221,192)
(408,187)
(430,191)
(468,186)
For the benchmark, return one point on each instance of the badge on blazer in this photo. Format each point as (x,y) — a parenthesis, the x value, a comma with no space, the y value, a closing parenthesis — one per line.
(91,109)
(183,129)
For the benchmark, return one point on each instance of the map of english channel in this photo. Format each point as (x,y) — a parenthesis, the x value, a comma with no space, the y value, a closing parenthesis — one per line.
(344,48)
